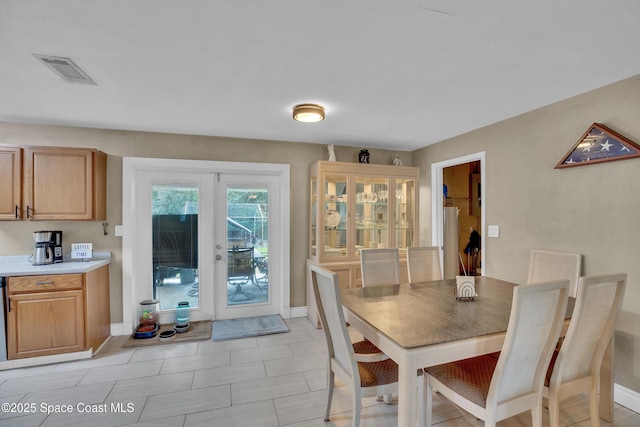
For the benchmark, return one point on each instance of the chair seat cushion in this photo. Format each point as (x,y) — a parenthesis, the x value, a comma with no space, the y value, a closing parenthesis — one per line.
(365,347)
(469,378)
(378,373)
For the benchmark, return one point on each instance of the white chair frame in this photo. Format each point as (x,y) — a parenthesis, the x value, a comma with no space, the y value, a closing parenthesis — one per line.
(342,359)
(423,263)
(537,315)
(577,367)
(380,267)
(552,265)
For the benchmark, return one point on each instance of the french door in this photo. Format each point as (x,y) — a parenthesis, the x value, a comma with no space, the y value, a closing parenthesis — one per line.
(247,208)
(213,237)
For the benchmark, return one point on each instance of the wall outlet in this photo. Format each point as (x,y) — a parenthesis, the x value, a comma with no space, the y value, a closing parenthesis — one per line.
(494,231)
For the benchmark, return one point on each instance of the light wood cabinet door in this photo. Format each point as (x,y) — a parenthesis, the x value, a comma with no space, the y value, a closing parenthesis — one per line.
(65,183)
(10,183)
(45,323)
(97,308)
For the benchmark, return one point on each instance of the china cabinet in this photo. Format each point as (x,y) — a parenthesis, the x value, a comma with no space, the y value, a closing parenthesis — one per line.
(354,206)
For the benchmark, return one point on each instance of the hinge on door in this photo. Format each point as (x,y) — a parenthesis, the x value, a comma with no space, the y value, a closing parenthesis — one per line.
(218,176)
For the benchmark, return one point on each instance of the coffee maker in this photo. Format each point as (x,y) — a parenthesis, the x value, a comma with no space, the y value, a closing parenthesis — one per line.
(42,254)
(56,246)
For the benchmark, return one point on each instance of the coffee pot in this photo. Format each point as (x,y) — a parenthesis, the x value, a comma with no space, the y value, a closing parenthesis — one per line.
(42,254)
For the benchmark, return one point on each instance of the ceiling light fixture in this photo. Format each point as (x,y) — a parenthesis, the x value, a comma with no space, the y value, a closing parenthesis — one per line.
(308,113)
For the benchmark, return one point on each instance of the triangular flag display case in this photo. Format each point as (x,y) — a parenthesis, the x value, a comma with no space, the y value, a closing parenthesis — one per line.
(599,144)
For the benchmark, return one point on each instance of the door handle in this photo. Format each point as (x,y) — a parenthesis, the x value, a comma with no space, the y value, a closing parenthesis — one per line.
(218,246)
(218,257)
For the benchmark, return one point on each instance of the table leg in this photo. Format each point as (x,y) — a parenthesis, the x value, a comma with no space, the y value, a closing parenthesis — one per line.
(407,402)
(606,383)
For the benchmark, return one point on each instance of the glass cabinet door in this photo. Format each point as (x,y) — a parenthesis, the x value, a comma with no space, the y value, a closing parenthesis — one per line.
(371,213)
(336,217)
(405,212)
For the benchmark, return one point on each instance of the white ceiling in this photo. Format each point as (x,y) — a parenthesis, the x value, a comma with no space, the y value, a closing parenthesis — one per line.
(397,74)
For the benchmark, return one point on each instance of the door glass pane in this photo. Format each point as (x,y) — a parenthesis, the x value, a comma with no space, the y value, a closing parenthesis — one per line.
(247,245)
(372,213)
(405,209)
(335,216)
(175,244)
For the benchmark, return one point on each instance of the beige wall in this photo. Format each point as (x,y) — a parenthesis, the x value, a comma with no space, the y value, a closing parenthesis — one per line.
(592,210)
(15,237)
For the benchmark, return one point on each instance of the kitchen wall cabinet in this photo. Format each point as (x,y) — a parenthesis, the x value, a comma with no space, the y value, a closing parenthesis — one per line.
(65,183)
(58,313)
(52,183)
(354,206)
(10,182)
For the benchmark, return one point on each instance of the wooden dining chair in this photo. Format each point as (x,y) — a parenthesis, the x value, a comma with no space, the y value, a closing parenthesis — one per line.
(380,267)
(365,375)
(551,265)
(575,368)
(423,263)
(493,388)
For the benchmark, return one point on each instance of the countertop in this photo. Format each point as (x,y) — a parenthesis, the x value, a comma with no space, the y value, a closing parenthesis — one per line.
(19,265)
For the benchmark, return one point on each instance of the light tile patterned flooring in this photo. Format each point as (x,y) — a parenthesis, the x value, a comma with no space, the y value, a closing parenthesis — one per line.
(275,380)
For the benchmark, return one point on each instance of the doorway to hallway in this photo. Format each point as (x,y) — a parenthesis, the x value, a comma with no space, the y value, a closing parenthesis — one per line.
(473,203)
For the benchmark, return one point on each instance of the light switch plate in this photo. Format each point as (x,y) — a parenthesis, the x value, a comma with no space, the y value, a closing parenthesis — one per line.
(494,231)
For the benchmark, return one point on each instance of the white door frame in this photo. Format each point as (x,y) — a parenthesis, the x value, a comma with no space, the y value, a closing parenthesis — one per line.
(130,168)
(437,198)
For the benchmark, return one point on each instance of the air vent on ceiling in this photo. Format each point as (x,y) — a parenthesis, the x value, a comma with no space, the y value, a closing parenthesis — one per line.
(65,68)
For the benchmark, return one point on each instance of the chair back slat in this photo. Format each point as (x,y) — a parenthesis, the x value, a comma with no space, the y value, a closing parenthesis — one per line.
(423,263)
(598,303)
(537,314)
(380,267)
(551,265)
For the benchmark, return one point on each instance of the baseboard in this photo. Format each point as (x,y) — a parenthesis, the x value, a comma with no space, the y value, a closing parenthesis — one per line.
(45,360)
(119,329)
(298,311)
(626,397)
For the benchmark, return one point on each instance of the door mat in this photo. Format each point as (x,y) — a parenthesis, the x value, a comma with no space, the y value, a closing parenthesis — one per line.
(248,327)
(197,332)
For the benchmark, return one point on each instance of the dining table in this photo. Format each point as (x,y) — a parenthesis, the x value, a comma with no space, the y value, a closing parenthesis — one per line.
(423,324)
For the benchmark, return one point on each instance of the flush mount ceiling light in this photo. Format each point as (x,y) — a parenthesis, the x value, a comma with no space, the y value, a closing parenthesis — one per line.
(308,113)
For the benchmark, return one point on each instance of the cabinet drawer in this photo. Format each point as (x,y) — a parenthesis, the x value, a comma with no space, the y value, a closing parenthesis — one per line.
(54,282)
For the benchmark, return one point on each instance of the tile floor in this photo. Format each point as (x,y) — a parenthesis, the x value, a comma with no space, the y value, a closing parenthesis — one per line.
(275,380)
